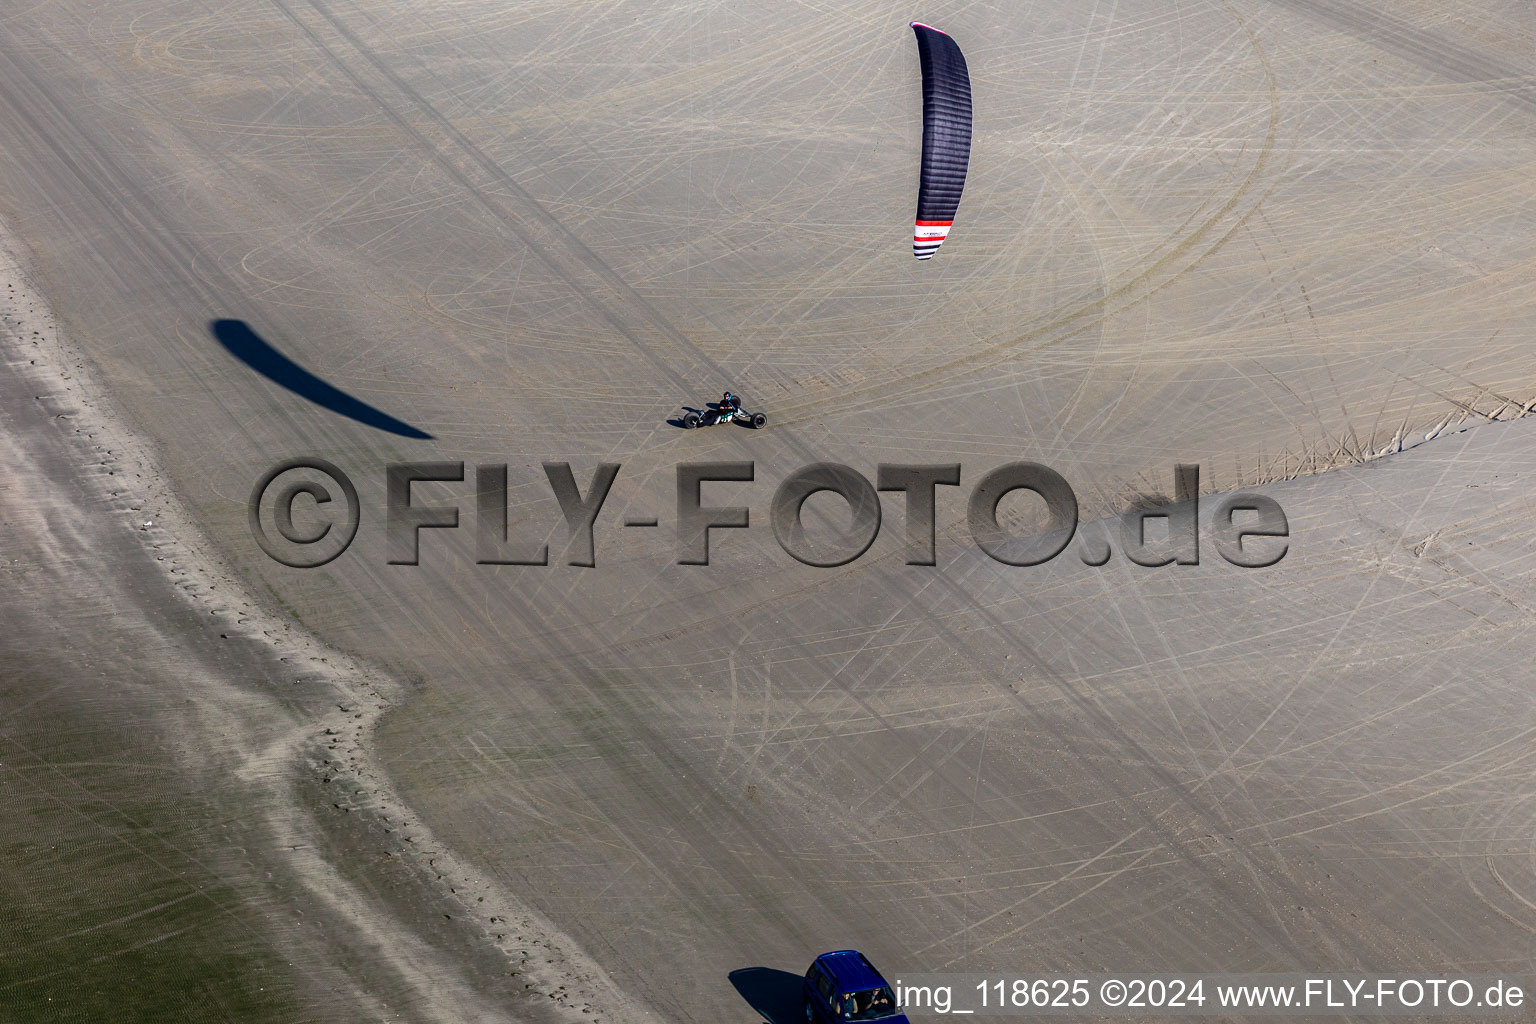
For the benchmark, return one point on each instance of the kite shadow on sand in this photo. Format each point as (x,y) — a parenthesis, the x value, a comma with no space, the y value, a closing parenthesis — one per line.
(773,994)
(254,351)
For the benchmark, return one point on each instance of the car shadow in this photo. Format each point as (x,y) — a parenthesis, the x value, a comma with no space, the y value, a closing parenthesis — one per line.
(242,342)
(772,993)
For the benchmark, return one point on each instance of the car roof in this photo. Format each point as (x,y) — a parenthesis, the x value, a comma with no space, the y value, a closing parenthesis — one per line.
(852,969)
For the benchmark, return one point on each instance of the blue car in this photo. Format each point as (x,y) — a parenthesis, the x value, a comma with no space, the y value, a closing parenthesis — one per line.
(844,986)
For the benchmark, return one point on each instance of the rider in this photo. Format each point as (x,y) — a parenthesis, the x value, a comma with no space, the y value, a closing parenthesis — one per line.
(730,405)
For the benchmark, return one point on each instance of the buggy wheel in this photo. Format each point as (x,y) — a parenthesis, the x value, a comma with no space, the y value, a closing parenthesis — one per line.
(758,420)
(690,420)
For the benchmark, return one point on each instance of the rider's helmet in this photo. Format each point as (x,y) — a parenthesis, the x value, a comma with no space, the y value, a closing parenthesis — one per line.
(728,397)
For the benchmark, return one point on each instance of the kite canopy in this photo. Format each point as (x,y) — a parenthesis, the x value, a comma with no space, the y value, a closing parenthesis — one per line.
(946,137)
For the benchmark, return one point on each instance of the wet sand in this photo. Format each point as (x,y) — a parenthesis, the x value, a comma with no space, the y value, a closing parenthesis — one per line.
(199,827)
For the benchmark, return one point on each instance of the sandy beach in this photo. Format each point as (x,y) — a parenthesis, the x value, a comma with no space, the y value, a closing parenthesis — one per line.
(201,820)
(1289,242)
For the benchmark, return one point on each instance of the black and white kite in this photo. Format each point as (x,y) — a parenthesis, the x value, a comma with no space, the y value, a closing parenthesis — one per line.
(946,137)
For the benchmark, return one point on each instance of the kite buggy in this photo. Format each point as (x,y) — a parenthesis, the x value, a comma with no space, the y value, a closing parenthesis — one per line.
(726,410)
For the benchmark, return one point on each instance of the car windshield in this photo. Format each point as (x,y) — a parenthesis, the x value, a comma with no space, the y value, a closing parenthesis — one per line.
(871,1004)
